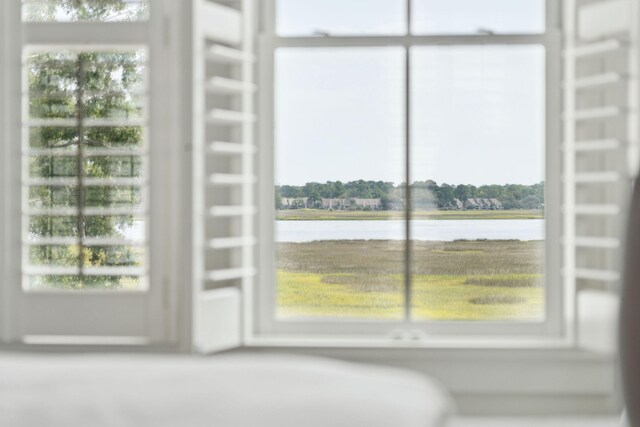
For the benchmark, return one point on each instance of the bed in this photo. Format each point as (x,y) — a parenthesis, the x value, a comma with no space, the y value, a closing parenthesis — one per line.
(234,390)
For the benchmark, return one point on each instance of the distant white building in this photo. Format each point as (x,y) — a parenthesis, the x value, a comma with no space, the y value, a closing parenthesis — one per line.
(455,204)
(294,202)
(335,204)
(343,204)
(479,203)
(368,203)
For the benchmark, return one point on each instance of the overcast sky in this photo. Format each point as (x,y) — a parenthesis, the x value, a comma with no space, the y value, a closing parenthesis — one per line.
(477,112)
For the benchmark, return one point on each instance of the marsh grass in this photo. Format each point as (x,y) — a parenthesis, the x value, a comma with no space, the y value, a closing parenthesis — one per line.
(506,281)
(498,299)
(365,283)
(326,215)
(364,279)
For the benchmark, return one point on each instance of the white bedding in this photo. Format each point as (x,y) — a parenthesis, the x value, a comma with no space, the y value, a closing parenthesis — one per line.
(221,391)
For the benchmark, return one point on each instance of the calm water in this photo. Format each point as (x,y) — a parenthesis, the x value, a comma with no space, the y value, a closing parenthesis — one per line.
(428,230)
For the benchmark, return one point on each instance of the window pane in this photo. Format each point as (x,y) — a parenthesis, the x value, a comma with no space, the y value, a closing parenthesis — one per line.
(84,10)
(85,191)
(47,196)
(478,138)
(339,17)
(67,255)
(477,16)
(122,227)
(339,175)
(92,166)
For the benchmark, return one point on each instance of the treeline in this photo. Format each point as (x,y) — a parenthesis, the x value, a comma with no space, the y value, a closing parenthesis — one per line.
(424,194)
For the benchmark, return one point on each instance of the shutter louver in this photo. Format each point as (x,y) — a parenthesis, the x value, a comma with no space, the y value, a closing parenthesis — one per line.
(224,175)
(600,150)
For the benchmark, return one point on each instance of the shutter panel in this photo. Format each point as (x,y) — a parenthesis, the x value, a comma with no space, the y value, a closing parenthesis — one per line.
(600,160)
(79,176)
(223,172)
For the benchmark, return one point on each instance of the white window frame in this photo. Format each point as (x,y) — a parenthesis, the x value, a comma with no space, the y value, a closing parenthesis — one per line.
(3,175)
(558,303)
(145,317)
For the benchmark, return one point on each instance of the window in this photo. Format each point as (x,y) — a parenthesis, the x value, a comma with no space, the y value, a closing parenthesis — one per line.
(409,169)
(410,143)
(82,152)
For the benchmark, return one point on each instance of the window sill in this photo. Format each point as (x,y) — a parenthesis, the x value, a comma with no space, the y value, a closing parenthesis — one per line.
(539,345)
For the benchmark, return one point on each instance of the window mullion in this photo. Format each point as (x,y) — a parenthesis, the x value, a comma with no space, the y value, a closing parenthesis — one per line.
(411,40)
(90,33)
(409,17)
(408,279)
(407,138)
(81,113)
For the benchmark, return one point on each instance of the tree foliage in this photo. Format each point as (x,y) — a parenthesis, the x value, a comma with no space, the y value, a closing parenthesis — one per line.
(424,194)
(85,10)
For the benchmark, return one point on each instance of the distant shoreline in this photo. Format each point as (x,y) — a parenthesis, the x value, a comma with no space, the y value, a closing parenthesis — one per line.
(336,215)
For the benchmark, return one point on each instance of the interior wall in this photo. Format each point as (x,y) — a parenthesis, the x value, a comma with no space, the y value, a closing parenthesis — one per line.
(494,382)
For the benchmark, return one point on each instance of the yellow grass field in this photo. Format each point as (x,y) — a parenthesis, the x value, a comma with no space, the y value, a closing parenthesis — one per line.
(466,280)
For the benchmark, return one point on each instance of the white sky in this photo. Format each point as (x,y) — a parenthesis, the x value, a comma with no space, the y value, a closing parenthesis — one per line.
(478,112)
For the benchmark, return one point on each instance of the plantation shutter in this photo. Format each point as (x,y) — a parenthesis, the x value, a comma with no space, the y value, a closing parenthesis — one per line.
(79,168)
(600,160)
(223,172)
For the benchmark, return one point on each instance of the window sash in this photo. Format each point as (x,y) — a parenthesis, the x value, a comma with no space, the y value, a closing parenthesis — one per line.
(138,311)
(265,321)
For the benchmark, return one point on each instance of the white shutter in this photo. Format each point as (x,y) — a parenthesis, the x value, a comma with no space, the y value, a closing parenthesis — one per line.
(223,172)
(40,309)
(600,160)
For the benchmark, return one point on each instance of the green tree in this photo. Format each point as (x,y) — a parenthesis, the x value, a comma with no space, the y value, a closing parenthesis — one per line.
(338,190)
(464,192)
(425,194)
(446,195)
(313,191)
(278,197)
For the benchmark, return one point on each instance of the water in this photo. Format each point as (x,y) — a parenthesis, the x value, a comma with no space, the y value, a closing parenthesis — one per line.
(427,230)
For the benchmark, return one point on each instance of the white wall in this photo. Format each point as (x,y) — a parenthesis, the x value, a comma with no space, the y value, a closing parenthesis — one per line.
(502,382)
